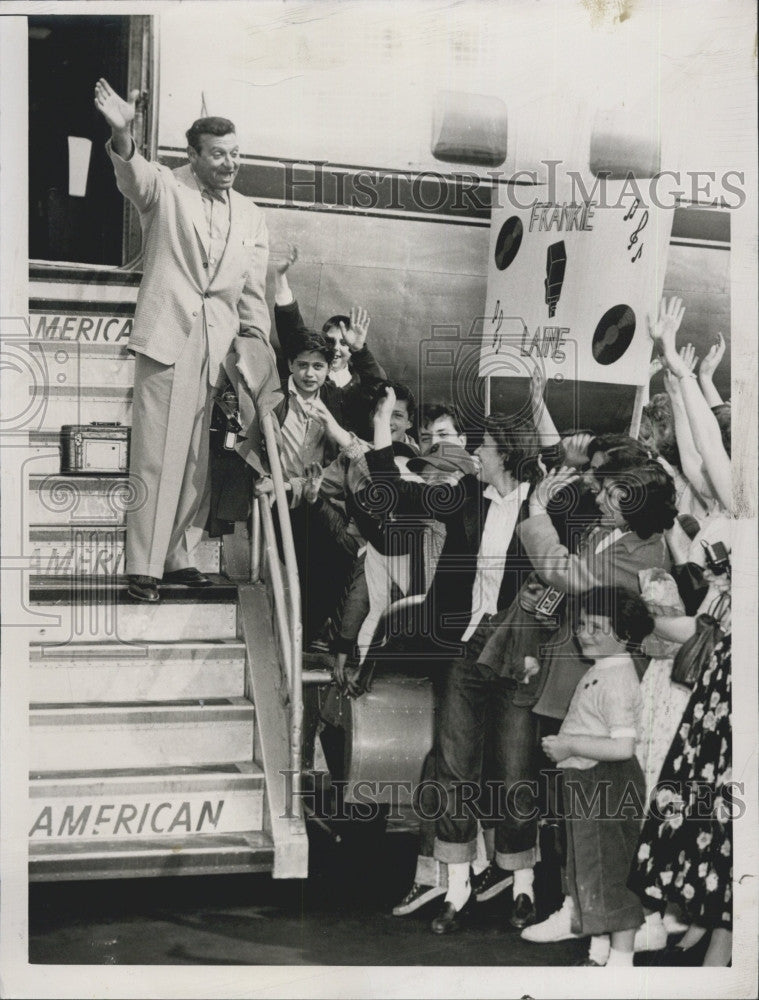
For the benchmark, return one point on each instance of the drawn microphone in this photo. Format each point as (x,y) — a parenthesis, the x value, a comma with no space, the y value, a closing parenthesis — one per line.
(556,262)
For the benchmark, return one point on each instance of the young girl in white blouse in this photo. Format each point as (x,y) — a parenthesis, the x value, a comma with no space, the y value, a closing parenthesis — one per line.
(603,786)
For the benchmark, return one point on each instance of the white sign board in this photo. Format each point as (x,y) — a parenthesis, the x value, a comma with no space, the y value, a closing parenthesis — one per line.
(571,282)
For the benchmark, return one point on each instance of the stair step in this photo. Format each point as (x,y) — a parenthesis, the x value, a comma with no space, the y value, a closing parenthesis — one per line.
(69,404)
(96,617)
(72,736)
(75,283)
(145,803)
(44,589)
(78,672)
(81,499)
(198,854)
(56,550)
(69,365)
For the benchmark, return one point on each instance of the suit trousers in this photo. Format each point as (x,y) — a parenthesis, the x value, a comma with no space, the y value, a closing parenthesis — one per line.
(168,466)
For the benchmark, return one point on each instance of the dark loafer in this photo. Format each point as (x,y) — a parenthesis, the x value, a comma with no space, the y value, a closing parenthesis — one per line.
(143,588)
(189,577)
(522,912)
(449,920)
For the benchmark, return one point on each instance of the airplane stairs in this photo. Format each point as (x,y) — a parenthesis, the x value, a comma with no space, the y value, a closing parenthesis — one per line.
(158,733)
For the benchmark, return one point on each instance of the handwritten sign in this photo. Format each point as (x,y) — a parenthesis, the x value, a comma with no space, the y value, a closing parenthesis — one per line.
(571,282)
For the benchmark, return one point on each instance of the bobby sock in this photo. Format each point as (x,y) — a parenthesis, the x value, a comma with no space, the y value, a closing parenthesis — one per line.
(481,862)
(523,880)
(619,957)
(458,884)
(599,948)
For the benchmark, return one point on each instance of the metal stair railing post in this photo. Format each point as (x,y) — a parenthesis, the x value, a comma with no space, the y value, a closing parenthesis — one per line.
(293,593)
(277,590)
(256,543)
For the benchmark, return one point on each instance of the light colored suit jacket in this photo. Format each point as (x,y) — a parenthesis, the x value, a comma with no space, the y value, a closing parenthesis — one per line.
(175,290)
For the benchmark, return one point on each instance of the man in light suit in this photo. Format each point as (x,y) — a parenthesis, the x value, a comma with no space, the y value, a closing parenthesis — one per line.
(205,251)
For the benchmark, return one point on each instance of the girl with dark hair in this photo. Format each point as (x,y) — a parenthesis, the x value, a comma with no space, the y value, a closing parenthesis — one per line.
(636,505)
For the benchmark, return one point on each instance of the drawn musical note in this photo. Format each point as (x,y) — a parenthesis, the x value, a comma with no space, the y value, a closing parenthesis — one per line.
(637,255)
(641,226)
(632,210)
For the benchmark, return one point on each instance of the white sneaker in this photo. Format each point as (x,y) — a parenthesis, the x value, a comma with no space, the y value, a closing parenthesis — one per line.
(650,936)
(558,927)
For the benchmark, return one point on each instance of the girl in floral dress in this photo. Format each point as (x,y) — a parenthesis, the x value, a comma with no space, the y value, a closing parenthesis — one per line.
(684,852)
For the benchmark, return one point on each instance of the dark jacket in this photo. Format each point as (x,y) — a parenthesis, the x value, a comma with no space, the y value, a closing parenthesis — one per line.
(444,615)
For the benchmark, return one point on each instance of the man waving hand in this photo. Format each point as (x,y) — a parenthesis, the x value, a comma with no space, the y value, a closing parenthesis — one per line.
(205,251)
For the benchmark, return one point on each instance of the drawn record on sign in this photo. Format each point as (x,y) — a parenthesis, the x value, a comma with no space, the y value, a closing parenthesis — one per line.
(585,272)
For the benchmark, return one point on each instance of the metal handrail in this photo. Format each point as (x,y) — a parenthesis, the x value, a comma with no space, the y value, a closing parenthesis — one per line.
(286,600)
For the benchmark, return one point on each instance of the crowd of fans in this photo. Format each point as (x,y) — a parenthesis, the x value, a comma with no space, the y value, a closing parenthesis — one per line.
(568,595)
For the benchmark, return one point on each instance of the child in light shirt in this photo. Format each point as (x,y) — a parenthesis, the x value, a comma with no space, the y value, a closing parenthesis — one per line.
(603,786)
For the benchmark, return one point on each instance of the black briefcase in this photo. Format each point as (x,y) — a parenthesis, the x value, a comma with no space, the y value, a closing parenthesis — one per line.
(99,447)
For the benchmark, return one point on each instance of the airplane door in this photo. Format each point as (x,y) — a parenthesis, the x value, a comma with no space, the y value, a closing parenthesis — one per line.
(76,214)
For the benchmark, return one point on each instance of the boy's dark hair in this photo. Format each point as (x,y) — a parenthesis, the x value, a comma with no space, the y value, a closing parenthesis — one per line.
(623,450)
(402,393)
(630,619)
(303,342)
(723,413)
(434,411)
(335,321)
(207,126)
(518,445)
(647,495)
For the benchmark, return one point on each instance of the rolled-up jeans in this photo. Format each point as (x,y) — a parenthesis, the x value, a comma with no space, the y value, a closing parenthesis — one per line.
(484,735)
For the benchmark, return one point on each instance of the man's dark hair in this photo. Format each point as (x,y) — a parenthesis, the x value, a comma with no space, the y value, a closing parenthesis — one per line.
(303,342)
(518,445)
(630,619)
(402,394)
(207,126)
(335,321)
(646,495)
(434,411)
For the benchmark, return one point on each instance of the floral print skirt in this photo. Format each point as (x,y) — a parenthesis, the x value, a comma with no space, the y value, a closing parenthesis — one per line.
(684,851)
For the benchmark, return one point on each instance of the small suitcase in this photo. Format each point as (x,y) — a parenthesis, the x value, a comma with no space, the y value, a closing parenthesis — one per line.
(99,447)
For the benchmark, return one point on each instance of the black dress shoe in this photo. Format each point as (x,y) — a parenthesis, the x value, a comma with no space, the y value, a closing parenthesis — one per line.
(450,920)
(189,577)
(522,912)
(143,588)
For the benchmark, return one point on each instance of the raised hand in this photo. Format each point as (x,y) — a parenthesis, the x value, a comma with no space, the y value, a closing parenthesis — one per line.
(117,112)
(384,407)
(355,335)
(713,358)
(664,332)
(549,486)
(576,449)
(284,259)
(688,356)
